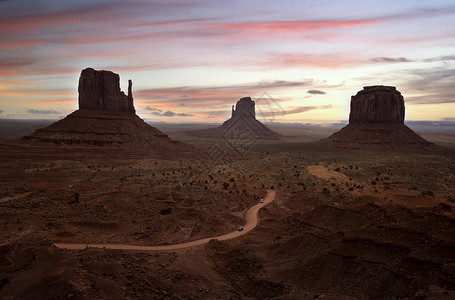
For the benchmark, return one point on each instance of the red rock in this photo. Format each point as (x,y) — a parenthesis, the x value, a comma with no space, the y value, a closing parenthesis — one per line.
(244,108)
(101,90)
(106,120)
(241,126)
(243,123)
(377,104)
(377,118)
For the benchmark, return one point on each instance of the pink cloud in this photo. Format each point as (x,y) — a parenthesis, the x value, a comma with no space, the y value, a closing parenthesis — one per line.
(287,26)
(292,60)
(218,96)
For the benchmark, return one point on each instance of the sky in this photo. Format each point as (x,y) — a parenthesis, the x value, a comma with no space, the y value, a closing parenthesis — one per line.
(190,61)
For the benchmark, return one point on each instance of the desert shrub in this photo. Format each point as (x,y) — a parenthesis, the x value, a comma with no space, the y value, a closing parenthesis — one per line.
(429,193)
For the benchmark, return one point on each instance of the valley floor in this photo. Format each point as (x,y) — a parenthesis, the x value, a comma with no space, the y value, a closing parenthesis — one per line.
(346,223)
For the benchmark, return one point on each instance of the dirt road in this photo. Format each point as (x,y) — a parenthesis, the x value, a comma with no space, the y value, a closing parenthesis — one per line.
(251,217)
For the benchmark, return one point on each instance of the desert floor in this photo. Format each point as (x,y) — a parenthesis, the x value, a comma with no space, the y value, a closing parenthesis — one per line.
(347,223)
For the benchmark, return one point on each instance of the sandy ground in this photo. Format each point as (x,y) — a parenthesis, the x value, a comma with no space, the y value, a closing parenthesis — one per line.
(251,221)
(324,173)
(346,224)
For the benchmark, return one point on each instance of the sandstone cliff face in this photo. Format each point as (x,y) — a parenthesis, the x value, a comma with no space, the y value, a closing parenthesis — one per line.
(377,104)
(101,90)
(377,118)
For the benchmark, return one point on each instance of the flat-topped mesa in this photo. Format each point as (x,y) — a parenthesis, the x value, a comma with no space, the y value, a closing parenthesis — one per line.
(377,103)
(100,90)
(245,108)
(377,118)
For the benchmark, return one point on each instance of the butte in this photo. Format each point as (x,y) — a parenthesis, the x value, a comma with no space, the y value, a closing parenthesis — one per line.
(105,124)
(377,118)
(241,126)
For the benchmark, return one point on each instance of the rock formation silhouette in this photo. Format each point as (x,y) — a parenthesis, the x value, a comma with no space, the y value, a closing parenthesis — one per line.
(241,126)
(106,119)
(243,123)
(377,104)
(244,108)
(101,90)
(377,117)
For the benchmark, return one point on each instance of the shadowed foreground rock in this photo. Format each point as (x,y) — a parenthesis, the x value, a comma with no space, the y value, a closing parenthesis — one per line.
(377,118)
(105,121)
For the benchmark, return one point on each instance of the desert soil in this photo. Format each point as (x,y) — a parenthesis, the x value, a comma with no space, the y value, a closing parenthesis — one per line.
(251,221)
(346,224)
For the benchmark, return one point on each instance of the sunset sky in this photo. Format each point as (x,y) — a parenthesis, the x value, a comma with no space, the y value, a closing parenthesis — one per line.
(191,60)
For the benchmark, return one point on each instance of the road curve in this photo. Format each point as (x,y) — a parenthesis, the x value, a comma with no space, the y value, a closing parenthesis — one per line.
(251,218)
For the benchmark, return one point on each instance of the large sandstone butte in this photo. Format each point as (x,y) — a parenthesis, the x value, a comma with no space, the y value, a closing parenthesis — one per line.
(100,90)
(243,123)
(105,121)
(241,126)
(377,118)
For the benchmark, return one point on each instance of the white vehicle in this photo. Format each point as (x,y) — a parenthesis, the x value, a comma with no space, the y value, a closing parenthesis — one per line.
(262,201)
(240,228)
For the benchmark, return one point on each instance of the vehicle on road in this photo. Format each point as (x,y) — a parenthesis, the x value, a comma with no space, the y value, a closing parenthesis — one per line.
(240,228)
(262,201)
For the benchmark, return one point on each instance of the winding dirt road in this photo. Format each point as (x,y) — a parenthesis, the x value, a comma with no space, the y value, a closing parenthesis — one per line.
(251,217)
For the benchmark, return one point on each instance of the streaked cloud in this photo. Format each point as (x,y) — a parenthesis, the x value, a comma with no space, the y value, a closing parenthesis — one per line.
(440,58)
(214,95)
(301,60)
(296,110)
(432,86)
(316,92)
(169,113)
(148,108)
(43,111)
(390,60)
(286,26)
